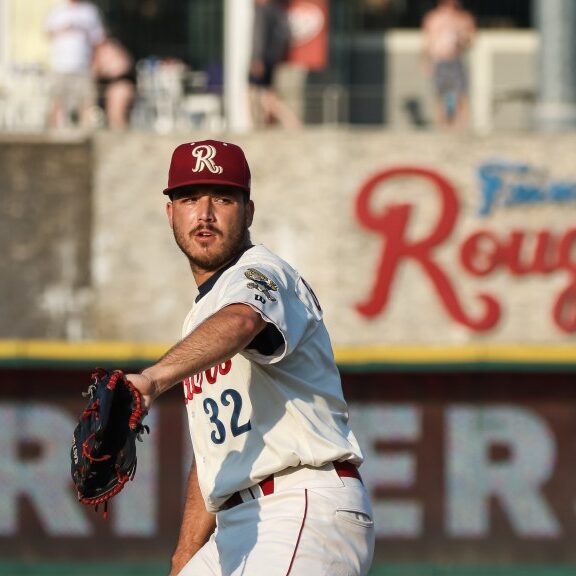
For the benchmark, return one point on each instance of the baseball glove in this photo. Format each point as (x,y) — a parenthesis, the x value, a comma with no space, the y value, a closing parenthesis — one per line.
(103,453)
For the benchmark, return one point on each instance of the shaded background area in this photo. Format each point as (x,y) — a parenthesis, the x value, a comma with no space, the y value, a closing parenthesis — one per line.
(193,29)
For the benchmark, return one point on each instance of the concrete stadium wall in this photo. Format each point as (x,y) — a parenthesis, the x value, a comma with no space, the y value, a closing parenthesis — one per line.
(46,235)
(306,187)
(136,286)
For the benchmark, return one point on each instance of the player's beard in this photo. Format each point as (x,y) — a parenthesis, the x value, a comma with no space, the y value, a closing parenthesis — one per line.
(212,260)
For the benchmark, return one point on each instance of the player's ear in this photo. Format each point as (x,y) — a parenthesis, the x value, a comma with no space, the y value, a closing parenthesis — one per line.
(169,213)
(249,213)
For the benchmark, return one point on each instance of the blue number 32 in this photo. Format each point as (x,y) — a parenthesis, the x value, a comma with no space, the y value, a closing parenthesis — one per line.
(211,408)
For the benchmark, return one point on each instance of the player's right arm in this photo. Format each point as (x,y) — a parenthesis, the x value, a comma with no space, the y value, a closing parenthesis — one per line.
(217,339)
(197,525)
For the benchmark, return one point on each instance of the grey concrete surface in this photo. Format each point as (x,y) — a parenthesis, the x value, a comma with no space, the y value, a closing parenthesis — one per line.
(135,285)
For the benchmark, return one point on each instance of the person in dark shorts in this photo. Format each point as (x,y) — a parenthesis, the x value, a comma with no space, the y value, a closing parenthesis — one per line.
(113,68)
(270,46)
(448,32)
(451,83)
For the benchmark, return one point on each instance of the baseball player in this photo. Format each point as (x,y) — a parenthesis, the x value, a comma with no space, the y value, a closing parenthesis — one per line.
(274,488)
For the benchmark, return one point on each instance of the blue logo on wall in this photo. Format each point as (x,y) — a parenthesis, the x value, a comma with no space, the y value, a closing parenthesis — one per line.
(507,184)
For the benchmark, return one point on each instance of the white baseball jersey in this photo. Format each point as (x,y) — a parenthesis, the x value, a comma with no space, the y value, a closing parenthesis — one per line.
(264,411)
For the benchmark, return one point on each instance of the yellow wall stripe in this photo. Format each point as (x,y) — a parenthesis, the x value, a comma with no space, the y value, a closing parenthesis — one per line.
(59,351)
(79,351)
(477,353)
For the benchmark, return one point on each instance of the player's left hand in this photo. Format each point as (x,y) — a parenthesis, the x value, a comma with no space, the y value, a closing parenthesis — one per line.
(103,453)
(145,386)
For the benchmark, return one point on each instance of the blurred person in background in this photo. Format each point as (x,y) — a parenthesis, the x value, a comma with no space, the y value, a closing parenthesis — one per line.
(113,68)
(75,30)
(449,31)
(270,45)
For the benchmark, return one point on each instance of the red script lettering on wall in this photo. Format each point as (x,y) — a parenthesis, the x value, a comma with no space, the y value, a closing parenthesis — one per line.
(482,253)
(392,225)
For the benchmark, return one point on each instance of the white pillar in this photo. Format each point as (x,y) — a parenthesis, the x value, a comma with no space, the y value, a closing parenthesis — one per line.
(556,109)
(238,19)
(4,33)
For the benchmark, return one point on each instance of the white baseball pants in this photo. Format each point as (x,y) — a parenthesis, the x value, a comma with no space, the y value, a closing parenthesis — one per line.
(314,524)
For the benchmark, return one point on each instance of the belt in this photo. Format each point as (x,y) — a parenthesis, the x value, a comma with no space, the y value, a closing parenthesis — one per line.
(343,469)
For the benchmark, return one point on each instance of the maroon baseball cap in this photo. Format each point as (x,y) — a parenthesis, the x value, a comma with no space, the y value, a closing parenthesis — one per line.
(208,162)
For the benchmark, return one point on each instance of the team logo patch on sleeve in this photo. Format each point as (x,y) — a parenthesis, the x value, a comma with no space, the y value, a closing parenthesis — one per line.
(261,282)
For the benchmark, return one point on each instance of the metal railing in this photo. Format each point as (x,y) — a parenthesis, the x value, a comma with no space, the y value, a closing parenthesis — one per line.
(23,98)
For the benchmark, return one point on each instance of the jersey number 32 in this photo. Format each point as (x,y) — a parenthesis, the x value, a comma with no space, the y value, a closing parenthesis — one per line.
(212,409)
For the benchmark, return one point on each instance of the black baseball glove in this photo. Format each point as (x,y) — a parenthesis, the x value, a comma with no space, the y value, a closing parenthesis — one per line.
(103,453)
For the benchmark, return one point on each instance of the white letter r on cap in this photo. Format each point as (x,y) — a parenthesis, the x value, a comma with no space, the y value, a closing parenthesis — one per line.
(204,155)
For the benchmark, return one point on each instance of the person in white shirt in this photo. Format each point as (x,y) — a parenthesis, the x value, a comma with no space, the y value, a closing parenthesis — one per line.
(275,487)
(75,30)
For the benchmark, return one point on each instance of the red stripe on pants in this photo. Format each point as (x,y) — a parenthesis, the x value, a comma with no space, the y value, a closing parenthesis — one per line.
(300,532)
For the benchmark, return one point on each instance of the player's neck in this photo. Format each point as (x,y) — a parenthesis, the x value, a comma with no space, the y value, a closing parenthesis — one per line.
(202,275)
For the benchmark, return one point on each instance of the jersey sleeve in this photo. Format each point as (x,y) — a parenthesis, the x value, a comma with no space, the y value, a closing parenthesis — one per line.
(281,299)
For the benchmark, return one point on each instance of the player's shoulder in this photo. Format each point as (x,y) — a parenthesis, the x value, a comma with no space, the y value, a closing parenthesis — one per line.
(262,257)
(260,263)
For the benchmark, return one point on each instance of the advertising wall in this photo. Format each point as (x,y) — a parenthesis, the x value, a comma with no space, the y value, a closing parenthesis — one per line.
(407,239)
(464,468)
